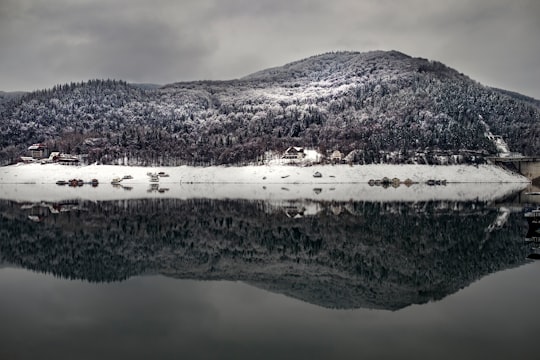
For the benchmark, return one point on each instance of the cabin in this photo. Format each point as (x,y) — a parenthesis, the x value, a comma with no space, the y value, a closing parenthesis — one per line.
(38,151)
(294,153)
(336,156)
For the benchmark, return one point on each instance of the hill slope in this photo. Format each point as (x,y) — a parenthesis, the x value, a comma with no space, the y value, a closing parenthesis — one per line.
(369,102)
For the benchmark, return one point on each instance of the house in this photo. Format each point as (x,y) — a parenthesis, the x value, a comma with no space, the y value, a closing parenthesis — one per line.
(67,159)
(53,157)
(336,156)
(294,153)
(38,151)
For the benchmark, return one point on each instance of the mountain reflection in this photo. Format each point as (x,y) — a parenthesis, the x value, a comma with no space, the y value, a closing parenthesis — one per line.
(333,254)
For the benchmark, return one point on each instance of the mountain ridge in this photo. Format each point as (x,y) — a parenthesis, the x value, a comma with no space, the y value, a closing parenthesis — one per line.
(364,104)
(352,58)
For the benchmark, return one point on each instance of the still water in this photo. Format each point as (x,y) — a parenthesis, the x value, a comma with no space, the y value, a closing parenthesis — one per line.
(241,279)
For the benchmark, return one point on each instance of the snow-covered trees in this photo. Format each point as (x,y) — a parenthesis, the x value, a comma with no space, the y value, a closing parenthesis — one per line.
(377,101)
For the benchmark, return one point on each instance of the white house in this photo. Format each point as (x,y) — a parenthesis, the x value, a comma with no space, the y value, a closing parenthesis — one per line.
(294,153)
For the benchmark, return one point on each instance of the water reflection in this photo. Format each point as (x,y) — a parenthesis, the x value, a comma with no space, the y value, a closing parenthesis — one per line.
(332,254)
(533,233)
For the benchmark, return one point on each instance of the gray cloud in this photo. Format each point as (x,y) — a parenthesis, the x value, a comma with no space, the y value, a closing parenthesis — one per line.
(45,43)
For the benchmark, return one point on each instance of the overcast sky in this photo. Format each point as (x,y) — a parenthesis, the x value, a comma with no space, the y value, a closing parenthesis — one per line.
(48,42)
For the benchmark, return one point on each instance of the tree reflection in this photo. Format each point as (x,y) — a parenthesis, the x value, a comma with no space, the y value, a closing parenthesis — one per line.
(335,254)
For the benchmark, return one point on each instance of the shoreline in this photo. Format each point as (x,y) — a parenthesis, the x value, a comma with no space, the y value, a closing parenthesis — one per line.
(35,182)
(262,174)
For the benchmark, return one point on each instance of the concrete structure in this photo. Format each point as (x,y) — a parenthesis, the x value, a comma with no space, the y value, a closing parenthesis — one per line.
(528,166)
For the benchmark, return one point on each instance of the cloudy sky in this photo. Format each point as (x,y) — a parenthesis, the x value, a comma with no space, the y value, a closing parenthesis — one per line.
(47,42)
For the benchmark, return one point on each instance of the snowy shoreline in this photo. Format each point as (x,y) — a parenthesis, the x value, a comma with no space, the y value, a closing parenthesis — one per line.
(264,174)
(34,182)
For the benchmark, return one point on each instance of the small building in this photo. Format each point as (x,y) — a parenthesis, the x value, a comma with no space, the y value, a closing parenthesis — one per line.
(38,151)
(67,159)
(336,156)
(294,153)
(53,157)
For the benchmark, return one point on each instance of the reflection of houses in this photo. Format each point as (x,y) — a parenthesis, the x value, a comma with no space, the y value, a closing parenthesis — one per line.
(294,211)
(336,209)
(39,211)
(300,209)
(38,151)
(294,153)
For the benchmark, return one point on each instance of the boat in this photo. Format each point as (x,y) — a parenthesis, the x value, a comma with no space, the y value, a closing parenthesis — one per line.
(116,181)
(434,182)
(61,182)
(154,178)
(317,174)
(127,177)
(94,182)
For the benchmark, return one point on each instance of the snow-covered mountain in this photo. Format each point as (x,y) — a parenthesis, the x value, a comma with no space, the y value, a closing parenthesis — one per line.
(359,103)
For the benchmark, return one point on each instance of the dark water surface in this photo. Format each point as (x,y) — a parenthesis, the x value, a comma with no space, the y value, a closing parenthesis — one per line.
(199,279)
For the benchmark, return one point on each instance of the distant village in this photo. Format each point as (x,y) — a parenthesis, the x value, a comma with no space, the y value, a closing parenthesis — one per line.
(301,156)
(297,155)
(40,153)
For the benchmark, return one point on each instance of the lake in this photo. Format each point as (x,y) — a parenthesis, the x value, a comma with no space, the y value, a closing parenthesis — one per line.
(207,278)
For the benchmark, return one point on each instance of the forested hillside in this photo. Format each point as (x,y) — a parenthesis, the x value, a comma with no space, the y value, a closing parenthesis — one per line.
(368,102)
